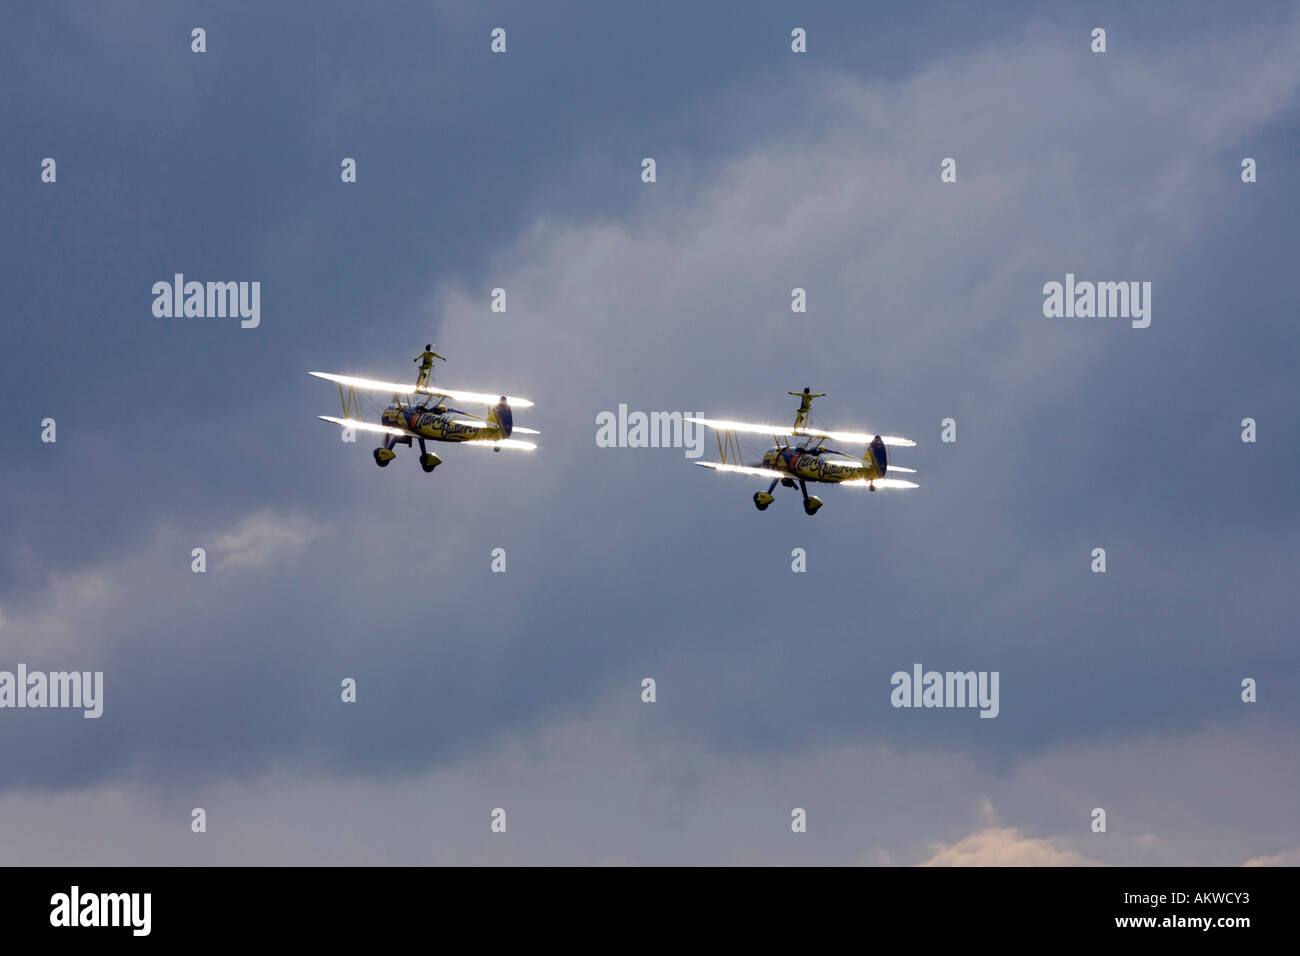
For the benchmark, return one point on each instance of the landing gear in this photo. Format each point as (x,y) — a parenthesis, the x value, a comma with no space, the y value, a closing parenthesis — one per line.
(762,499)
(384,453)
(871,487)
(810,502)
(428,460)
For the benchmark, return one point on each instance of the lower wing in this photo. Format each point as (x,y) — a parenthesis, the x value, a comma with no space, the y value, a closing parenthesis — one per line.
(742,469)
(364,426)
(879,483)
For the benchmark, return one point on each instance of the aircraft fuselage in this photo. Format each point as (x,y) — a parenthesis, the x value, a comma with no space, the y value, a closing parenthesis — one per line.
(440,423)
(829,467)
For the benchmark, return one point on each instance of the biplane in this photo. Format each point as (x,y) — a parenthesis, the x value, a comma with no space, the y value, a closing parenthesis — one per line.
(800,456)
(420,413)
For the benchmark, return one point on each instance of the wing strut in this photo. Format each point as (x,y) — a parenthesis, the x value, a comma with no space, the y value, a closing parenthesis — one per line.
(729,444)
(351,400)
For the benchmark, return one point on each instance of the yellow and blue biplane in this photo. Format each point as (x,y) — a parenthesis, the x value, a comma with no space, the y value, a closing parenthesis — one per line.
(800,456)
(420,413)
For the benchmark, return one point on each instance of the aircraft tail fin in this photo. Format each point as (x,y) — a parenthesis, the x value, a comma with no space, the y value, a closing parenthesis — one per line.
(877,457)
(502,416)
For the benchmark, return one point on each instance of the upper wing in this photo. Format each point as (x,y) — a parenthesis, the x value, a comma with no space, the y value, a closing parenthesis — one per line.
(785,431)
(728,426)
(860,438)
(742,469)
(402,388)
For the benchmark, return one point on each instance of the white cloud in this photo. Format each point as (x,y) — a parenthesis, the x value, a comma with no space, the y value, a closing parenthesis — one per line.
(52,623)
(1004,846)
(611,787)
(265,537)
(1286,858)
(987,812)
(688,299)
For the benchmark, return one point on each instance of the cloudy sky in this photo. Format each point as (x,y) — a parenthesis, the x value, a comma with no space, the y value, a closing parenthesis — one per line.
(522,690)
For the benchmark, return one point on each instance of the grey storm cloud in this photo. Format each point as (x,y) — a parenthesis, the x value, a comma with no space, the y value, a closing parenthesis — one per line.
(522,689)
